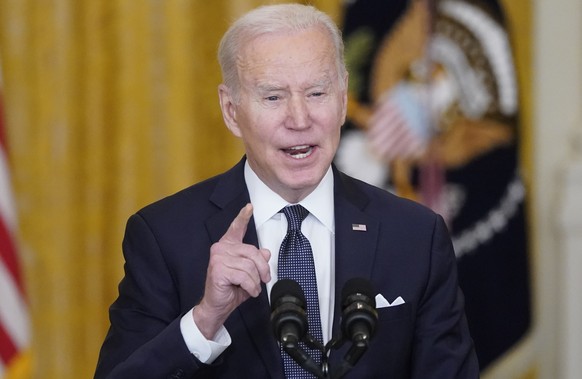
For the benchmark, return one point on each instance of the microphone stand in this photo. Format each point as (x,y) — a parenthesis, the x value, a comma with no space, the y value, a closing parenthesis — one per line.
(355,352)
(359,346)
(291,346)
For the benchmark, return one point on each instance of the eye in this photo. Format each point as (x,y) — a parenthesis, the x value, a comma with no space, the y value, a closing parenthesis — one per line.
(317,94)
(272,98)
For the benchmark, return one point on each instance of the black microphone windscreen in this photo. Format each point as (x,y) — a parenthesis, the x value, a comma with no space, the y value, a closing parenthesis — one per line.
(358,285)
(286,287)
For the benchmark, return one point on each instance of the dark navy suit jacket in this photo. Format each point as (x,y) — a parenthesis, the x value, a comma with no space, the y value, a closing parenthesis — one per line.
(405,251)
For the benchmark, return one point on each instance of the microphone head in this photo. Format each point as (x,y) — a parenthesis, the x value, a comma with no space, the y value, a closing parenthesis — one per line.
(359,314)
(286,288)
(288,311)
(358,287)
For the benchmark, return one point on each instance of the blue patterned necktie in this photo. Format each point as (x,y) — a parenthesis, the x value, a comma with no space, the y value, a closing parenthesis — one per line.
(296,262)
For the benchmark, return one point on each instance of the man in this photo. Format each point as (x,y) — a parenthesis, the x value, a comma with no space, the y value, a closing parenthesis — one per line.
(200,264)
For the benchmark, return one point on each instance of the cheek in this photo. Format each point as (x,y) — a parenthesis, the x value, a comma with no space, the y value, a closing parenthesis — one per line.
(264,127)
(257,135)
(331,122)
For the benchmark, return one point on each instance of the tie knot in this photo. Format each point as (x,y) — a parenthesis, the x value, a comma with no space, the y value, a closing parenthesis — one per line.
(295,215)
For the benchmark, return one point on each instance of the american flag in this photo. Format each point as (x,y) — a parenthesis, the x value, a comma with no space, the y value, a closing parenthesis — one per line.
(359,227)
(14,317)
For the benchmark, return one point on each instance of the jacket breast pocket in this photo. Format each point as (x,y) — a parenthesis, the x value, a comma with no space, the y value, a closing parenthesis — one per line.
(397,312)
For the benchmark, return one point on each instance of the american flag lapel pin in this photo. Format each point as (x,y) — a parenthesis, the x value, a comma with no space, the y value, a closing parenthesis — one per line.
(359,227)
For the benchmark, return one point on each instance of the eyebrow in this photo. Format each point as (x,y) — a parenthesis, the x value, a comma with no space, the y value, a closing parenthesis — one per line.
(271,87)
(323,82)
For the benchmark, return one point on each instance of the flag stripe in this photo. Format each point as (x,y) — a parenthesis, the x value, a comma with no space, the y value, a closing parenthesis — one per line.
(7,347)
(8,256)
(7,211)
(13,312)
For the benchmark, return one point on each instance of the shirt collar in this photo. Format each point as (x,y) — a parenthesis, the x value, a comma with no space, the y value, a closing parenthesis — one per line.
(319,202)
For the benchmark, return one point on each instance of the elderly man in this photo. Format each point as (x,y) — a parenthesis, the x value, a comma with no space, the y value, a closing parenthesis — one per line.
(200,264)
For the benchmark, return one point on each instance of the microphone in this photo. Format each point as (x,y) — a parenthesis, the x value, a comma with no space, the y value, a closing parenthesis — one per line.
(289,321)
(288,314)
(359,314)
(359,317)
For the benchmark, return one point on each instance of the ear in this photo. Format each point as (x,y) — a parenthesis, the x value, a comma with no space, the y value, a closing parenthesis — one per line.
(228,108)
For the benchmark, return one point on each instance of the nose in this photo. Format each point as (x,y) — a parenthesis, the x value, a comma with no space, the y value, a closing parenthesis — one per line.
(298,113)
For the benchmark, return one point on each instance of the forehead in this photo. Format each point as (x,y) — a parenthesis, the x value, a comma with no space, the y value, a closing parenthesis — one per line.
(306,55)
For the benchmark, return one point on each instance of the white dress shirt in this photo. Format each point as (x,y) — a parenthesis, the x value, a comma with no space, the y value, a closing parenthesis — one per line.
(271,226)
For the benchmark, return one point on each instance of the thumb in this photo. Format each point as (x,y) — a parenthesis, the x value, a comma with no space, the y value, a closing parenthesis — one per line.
(238,227)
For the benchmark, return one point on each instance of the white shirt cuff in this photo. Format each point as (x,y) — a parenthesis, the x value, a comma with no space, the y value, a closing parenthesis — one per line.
(206,351)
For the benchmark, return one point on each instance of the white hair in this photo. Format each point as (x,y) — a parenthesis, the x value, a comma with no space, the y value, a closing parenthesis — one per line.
(274,19)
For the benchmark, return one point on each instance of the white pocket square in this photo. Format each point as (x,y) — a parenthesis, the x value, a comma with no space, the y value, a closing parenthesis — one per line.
(381,301)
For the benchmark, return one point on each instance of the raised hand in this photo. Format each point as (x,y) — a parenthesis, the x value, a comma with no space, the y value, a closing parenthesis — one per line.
(235,272)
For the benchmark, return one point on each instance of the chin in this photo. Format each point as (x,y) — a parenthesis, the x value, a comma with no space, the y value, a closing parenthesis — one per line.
(299,181)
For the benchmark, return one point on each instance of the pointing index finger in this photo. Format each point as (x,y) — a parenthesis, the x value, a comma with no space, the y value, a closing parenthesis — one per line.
(238,226)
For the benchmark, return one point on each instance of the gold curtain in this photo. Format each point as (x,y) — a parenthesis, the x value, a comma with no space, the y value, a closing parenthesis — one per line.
(109,106)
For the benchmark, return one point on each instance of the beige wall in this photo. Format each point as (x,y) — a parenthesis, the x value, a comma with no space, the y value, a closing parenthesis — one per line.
(557,120)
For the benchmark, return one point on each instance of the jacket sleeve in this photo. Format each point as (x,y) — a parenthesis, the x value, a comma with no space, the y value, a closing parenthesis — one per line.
(443,347)
(144,339)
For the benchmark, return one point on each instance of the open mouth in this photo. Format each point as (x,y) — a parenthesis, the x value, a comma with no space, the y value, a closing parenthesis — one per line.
(299,152)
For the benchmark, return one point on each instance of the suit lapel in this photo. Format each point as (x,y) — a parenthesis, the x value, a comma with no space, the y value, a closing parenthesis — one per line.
(230,196)
(356,238)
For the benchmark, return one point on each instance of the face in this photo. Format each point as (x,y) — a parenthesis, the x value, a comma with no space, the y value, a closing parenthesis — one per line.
(291,109)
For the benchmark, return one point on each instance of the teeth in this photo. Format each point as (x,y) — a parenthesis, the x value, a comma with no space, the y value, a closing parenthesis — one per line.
(301,156)
(295,151)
